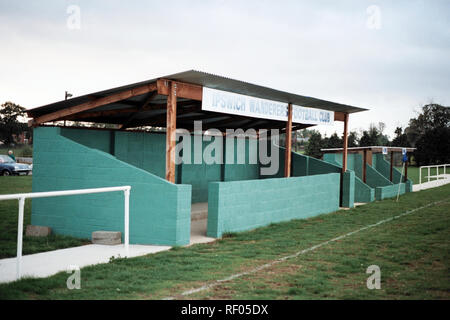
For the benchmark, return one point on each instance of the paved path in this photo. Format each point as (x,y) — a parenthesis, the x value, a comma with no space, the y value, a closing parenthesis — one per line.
(45,264)
(431,184)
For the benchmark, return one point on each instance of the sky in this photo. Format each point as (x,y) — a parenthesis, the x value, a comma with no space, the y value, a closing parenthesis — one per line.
(387,56)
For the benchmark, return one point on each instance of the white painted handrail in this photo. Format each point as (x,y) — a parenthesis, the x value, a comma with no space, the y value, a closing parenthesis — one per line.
(22,196)
(437,176)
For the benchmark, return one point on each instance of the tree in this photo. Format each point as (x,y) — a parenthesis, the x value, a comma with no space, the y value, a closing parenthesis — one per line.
(314,145)
(430,150)
(333,142)
(374,136)
(352,139)
(432,116)
(429,133)
(401,138)
(9,122)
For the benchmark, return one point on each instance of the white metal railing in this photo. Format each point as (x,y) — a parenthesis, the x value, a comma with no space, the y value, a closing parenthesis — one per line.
(437,176)
(22,196)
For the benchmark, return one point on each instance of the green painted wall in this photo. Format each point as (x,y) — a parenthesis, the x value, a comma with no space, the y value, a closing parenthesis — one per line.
(144,150)
(159,210)
(304,165)
(246,171)
(384,167)
(102,140)
(244,205)
(147,151)
(375,179)
(348,189)
(389,191)
(354,161)
(199,175)
(363,193)
(383,187)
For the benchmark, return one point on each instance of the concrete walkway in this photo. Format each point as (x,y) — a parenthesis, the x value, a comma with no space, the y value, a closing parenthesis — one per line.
(45,264)
(432,184)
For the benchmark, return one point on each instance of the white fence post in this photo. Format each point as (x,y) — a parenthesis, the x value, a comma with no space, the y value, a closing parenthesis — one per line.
(127,221)
(22,196)
(440,178)
(20,236)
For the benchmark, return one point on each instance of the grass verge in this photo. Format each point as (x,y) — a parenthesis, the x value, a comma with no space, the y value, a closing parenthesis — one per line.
(412,252)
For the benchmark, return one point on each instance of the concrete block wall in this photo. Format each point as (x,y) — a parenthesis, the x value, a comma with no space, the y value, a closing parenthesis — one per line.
(383,187)
(389,191)
(147,151)
(159,210)
(384,167)
(244,205)
(363,193)
(354,161)
(348,189)
(377,186)
(375,179)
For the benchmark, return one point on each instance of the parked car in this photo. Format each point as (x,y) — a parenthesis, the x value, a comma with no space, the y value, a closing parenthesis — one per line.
(9,167)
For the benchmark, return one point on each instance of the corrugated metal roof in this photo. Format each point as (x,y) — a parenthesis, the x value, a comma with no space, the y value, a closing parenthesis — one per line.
(241,87)
(210,81)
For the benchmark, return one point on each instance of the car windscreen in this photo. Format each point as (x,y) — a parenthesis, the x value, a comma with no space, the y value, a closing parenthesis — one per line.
(6,159)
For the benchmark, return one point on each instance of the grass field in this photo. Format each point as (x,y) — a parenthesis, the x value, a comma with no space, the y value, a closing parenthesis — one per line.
(412,253)
(8,222)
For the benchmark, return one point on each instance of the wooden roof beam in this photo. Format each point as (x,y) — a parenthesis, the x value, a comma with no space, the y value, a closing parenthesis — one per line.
(147,101)
(339,116)
(93,104)
(182,89)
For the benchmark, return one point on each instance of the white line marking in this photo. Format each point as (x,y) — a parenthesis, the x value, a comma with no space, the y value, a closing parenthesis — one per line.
(267,265)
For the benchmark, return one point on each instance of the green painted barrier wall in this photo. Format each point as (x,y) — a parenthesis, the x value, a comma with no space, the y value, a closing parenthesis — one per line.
(375,179)
(363,193)
(245,171)
(384,167)
(199,175)
(348,189)
(143,150)
(102,140)
(244,205)
(159,210)
(354,161)
(389,191)
(147,151)
(383,187)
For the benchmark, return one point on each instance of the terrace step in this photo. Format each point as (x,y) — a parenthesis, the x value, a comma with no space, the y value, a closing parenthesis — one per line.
(199,211)
(107,237)
(38,231)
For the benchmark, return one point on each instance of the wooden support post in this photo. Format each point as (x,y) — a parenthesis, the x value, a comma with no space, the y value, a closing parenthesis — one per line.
(406,171)
(344,155)
(392,166)
(287,158)
(171,127)
(365,165)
